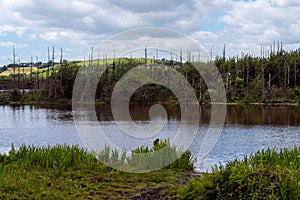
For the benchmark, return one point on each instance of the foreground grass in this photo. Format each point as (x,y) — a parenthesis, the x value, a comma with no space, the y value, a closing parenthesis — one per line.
(268,174)
(64,172)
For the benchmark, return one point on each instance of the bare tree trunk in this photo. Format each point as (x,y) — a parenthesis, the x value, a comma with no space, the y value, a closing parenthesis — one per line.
(288,76)
(200,91)
(61,73)
(186,82)
(247,76)
(181,59)
(285,77)
(146,55)
(14,66)
(31,85)
(19,72)
(237,74)
(48,73)
(269,84)
(263,75)
(224,53)
(37,75)
(269,80)
(54,74)
(23,84)
(295,74)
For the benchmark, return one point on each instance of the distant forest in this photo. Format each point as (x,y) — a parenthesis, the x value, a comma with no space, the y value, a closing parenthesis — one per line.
(274,78)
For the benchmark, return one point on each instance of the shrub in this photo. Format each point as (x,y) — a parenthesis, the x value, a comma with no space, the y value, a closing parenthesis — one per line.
(266,175)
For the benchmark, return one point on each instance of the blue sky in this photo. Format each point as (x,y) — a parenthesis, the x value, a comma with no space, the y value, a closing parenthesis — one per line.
(76,25)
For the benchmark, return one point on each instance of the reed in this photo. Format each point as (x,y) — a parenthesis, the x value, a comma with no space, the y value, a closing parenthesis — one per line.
(69,172)
(64,157)
(268,174)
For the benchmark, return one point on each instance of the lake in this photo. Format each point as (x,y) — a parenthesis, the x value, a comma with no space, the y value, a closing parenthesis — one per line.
(247,129)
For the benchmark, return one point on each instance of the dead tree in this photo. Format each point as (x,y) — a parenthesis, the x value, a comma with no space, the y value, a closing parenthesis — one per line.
(48,72)
(37,87)
(181,60)
(19,60)
(200,92)
(262,74)
(30,77)
(224,52)
(14,66)
(247,75)
(54,74)
(61,73)
(23,83)
(146,55)
(295,73)
(285,76)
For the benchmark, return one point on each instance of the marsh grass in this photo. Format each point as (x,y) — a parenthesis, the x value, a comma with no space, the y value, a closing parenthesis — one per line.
(69,172)
(268,174)
(146,158)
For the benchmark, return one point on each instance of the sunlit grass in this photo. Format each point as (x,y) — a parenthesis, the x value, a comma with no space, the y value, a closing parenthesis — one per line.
(10,71)
(69,172)
(268,174)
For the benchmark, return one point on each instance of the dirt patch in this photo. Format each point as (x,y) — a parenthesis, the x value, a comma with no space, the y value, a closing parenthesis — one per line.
(153,193)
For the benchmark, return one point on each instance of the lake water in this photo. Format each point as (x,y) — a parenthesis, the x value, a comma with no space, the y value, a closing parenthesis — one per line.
(247,128)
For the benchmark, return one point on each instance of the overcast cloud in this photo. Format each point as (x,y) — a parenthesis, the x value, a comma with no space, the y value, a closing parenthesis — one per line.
(76,25)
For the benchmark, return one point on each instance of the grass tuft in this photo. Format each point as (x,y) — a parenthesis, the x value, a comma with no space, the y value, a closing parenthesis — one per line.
(268,174)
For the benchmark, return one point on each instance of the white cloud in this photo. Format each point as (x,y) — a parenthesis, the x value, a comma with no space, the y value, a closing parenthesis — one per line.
(12,44)
(265,20)
(245,24)
(250,24)
(101,17)
(6,28)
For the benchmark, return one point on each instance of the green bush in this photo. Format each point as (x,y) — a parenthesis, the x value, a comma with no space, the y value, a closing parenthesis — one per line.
(266,175)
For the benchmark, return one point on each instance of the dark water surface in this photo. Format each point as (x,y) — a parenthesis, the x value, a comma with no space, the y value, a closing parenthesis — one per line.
(247,129)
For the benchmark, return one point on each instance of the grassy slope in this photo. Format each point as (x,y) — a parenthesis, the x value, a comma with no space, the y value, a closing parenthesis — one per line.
(80,183)
(27,70)
(10,71)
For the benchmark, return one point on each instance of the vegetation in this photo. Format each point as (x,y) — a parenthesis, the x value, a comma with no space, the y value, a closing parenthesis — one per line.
(64,172)
(267,79)
(266,175)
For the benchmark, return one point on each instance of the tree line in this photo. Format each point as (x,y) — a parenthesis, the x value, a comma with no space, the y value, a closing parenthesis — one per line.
(274,78)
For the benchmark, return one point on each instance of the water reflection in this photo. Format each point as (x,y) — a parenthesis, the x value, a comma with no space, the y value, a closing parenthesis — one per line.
(236,114)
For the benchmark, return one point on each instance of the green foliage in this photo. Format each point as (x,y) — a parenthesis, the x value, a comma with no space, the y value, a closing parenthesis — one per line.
(144,157)
(64,156)
(244,78)
(160,154)
(68,172)
(60,156)
(266,175)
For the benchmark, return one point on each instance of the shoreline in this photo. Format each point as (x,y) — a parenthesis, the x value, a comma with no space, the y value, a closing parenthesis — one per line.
(69,103)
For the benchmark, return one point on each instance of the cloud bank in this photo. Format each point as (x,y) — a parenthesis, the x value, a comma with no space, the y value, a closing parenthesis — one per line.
(31,25)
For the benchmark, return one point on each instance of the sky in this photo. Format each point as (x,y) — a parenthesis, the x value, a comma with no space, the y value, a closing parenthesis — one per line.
(76,25)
